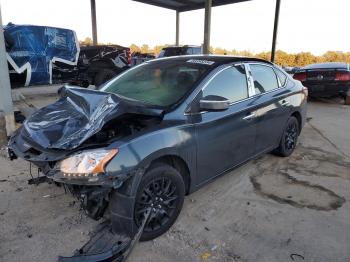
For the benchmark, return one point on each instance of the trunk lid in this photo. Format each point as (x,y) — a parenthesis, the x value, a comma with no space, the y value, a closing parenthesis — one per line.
(320,75)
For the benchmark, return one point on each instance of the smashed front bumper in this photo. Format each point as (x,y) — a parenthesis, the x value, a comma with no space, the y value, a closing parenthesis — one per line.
(95,194)
(103,179)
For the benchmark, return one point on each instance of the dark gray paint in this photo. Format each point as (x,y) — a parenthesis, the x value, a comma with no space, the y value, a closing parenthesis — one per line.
(209,143)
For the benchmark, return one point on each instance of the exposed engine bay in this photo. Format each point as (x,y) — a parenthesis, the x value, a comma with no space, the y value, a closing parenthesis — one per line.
(124,126)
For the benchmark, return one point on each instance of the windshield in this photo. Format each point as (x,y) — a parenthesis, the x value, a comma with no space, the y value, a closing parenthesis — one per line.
(158,83)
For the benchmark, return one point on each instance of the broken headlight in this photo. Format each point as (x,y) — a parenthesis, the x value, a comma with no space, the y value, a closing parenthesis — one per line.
(86,164)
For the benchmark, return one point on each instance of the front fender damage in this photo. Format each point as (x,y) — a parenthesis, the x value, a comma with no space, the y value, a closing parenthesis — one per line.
(83,120)
(115,239)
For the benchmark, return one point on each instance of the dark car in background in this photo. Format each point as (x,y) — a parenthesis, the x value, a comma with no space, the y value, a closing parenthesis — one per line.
(180,50)
(99,63)
(139,57)
(162,130)
(325,79)
(290,69)
(41,55)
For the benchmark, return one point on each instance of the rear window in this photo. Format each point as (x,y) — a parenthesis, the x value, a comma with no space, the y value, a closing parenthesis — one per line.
(281,76)
(265,79)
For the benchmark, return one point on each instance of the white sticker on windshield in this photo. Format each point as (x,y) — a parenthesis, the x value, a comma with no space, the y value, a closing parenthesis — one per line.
(203,62)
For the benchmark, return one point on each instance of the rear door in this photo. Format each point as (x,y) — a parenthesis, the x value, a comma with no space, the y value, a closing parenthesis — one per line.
(225,138)
(272,101)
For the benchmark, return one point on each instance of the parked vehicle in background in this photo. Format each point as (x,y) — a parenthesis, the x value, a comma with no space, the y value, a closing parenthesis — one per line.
(290,70)
(180,50)
(159,131)
(100,63)
(325,79)
(39,55)
(32,52)
(138,58)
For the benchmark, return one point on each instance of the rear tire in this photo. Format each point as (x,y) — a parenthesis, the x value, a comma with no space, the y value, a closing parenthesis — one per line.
(103,76)
(162,189)
(289,138)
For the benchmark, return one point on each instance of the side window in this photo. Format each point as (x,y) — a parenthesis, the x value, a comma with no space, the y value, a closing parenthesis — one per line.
(281,76)
(230,83)
(264,77)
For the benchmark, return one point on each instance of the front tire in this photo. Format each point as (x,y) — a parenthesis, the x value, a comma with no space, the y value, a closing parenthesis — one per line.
(289,138)
(162,190)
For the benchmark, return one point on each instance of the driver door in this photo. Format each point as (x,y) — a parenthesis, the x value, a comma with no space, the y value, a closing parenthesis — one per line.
(225,138)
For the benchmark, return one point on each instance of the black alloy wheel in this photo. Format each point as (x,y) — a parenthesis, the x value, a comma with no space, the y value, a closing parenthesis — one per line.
(103,76)
(162,191)
(289,138)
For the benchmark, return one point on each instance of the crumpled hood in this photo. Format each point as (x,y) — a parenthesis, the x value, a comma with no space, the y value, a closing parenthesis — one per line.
(77,115)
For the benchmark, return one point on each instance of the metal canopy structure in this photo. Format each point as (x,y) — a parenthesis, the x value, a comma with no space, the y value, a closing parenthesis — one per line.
(187,5)
(6,106)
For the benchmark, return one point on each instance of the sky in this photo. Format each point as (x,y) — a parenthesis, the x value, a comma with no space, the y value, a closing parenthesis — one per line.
(314,26)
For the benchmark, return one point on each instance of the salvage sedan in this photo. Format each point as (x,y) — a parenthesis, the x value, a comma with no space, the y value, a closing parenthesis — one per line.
(159,131)
(325,79)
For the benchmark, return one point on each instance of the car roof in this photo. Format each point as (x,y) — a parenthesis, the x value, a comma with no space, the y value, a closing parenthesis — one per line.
(328,65)
(217,59)
(89,47)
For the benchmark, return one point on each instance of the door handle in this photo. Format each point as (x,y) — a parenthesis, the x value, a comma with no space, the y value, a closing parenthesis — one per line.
(284,103)
(249,117)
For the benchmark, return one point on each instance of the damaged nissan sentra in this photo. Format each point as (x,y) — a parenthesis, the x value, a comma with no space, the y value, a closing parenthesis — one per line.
(159,131)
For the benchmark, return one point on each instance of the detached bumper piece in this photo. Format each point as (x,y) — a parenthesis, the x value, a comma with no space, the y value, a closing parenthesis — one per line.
(107,246)
(103,246)
(39,180)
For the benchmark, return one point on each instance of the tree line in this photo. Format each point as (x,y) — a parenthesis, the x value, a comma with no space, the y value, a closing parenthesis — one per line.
(282,58)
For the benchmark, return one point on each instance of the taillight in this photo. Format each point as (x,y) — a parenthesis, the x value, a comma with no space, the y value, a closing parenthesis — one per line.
(128,53)
(305,91)
(342,76)
(300,76)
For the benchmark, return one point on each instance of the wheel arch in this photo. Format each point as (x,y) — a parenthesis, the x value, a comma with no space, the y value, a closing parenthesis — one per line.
(178,163)
(297,115)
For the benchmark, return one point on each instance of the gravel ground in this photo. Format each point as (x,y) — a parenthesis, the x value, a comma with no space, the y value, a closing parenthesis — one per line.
(271,209)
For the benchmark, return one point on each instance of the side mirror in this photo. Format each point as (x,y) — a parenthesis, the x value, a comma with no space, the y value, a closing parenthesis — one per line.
(214,103)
